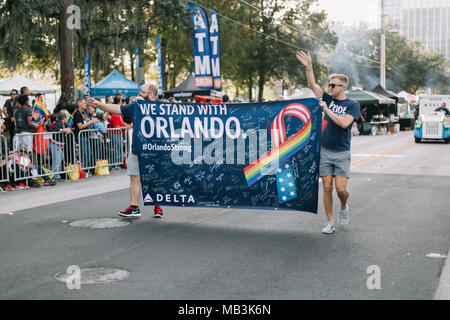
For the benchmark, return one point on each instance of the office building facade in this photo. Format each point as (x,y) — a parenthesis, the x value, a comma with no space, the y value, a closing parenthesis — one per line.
(427,21)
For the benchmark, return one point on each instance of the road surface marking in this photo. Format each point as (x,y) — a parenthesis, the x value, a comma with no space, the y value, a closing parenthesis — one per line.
(436,255)
(386,152)
(378,155)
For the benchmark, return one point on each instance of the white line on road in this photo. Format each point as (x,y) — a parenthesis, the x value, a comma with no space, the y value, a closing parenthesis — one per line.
(436,255)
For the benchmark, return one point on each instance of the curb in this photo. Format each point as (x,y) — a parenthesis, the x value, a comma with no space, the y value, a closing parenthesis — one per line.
(443,292)
(34,198)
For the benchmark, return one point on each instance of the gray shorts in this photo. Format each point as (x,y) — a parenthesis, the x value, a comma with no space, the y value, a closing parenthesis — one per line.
(334,163)
(133,165)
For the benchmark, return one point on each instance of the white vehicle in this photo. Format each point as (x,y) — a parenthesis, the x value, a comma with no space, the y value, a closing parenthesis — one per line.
(432,126)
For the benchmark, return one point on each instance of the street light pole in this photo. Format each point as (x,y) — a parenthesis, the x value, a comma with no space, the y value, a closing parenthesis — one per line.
(383,47)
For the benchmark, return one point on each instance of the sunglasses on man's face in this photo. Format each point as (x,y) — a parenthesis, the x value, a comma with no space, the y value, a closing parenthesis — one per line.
(334,85)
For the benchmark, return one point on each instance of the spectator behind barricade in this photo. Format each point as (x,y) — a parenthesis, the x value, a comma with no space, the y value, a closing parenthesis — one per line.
(106,115)
(24,126)
(23,168)
(57,143)
(128,100)
(8,111)
(81,122)
(92,115)
(119,96)
(38,96)
(26,91)
(116,137)
(226,99)
(10,185)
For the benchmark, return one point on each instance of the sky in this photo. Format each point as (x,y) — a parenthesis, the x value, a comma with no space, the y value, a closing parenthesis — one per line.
(353,11)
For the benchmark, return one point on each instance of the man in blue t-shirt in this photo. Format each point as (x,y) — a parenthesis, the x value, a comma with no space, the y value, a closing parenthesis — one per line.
(335,158)
(148,92)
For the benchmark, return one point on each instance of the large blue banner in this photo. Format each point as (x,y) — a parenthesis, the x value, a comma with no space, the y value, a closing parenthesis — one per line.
(248,155)
(214,38)
(202,52)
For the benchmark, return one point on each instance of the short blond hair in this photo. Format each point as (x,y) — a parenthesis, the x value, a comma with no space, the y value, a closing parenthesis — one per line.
(342,77)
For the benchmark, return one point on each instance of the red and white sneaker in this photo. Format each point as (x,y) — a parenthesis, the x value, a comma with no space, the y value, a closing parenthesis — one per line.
(23,186)
(158,212)
(130,213)
(9,187)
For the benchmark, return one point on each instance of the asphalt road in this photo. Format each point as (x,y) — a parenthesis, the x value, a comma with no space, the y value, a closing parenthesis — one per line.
(399,213)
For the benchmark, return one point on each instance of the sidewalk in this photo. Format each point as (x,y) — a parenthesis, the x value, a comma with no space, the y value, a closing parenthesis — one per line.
(443,292)
(12,201)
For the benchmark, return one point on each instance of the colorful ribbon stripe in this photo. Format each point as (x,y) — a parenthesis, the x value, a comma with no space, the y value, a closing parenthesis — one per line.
(284,148)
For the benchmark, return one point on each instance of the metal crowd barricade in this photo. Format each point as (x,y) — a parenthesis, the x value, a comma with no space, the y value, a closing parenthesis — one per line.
(4,167)
(96,150)
(51,155)
(127,142)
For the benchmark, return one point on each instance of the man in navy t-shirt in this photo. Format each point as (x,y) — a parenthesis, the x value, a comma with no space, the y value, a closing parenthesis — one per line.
(148,92)
(443,108)
(335,158)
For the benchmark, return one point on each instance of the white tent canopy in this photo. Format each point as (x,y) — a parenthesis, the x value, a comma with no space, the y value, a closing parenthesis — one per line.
(18,82)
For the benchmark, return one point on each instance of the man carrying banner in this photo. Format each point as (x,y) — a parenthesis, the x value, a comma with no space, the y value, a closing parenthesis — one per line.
(148,92)
(335,157)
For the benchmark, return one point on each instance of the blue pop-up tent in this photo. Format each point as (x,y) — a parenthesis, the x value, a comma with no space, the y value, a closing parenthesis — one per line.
(114,83)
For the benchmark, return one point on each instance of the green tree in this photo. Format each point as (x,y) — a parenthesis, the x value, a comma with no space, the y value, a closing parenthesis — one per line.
(261,37)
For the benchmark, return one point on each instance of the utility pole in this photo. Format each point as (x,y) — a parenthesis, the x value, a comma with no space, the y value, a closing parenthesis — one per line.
(383,47)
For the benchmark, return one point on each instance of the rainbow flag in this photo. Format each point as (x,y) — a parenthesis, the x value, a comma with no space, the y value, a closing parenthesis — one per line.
(36,117)
(41,111)
(69,121)
(272,160)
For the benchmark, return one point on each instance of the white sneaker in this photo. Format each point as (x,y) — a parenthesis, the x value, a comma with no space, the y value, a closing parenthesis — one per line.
(329,228)
(343,217)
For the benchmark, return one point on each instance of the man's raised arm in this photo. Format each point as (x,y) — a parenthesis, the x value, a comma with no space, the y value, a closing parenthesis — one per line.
(306,60)
(110,108)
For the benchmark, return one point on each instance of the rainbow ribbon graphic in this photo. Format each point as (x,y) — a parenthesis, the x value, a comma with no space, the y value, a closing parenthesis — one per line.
(282,150)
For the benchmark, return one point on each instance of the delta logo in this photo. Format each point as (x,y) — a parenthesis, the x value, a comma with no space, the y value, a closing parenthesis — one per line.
(170,198)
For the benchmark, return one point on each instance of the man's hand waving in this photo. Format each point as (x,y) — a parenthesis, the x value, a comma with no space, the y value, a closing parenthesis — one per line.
(305,59)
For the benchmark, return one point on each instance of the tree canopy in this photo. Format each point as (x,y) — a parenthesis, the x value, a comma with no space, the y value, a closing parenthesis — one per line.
(259,39)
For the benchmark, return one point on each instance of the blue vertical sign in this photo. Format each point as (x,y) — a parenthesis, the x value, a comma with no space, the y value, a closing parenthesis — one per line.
(160,71)
(214,39)
(87,75)
(138,62)
(202,53)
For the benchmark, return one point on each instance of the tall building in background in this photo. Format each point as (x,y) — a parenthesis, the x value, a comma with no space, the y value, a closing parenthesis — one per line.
(427,21)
